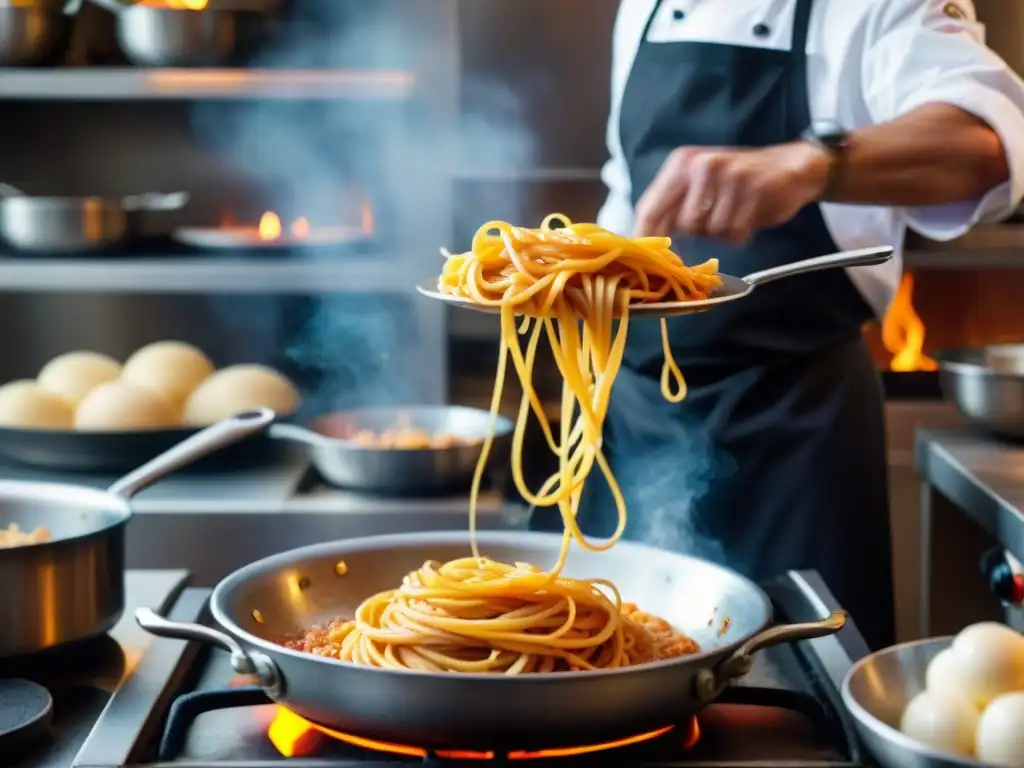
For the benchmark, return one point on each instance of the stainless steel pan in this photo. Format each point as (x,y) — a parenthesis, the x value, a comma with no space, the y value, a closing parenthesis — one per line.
(72,587)
(55,225)
(732,288)
(303,587)
(395,471)
(987,386)
(878,689)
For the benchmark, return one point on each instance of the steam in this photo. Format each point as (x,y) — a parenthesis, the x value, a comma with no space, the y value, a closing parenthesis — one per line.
(664,479)
(353,350)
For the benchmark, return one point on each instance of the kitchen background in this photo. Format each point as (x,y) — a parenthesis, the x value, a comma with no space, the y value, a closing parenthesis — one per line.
(384,130)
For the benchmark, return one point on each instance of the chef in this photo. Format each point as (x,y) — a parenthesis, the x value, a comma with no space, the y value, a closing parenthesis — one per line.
(760,132)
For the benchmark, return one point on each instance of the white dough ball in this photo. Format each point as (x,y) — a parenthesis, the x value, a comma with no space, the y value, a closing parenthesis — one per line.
(1000,737)
(943,722)
(75,374)
(239,388)
(120,407)
(170,369)
(26,405)
(989,661)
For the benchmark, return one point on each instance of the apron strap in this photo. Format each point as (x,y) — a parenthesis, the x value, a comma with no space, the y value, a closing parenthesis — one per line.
(801,25)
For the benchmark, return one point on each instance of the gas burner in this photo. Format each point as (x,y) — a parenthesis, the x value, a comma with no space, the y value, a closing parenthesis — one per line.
(26,711)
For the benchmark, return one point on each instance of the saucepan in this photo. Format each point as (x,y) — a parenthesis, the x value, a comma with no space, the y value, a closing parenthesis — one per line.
(260,603)
(731,289)
(76,224)
(343,461)
(70,585)
(32,32)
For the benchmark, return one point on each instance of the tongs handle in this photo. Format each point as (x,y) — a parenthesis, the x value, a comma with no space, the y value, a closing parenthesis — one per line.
(864,257)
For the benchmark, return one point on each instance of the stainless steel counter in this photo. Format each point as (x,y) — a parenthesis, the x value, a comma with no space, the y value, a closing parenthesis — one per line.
(972,499)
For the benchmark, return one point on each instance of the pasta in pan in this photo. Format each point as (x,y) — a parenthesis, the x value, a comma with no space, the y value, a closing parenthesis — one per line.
(572,284)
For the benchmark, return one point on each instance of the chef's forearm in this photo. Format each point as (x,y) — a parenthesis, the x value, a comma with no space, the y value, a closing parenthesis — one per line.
(934,155)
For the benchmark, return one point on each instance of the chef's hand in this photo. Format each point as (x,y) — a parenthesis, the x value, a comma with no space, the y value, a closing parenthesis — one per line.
(731,193)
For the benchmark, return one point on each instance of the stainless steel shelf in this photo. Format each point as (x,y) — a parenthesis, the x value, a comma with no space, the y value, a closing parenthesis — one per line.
(126,84)
(202,274)
(528,175)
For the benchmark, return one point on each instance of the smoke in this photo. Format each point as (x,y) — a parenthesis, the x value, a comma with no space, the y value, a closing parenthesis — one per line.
(306,158)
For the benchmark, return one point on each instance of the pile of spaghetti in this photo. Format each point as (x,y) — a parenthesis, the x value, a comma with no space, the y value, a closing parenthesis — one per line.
(573,284)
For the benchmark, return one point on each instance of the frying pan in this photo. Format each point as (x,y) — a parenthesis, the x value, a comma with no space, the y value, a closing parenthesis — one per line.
(72,587)
(115,452)
(398,471)
(301,588)
(731,289)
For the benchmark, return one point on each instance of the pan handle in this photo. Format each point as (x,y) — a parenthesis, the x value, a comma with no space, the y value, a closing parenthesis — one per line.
(295,434)
(252,663)
(865,257)
(213,438)
(709,683)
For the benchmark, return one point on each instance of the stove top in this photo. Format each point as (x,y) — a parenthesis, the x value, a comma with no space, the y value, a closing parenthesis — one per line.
(131,700)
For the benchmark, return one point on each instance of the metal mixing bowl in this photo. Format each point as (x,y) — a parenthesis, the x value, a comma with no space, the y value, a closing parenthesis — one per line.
(221,34)
(987,386)
(33,32)
(878,689)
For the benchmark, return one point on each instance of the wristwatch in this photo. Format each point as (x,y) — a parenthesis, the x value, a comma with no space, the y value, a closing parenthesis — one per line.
(834,139)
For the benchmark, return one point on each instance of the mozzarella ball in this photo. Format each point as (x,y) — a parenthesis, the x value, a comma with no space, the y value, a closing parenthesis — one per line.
(942,676)
(943,722)
(169,369)
(75,374)
(239,388)
(989,661)
(26,405)
(119,407)
(1000,737)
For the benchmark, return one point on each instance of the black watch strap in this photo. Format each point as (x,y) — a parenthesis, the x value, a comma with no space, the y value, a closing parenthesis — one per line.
(834,139)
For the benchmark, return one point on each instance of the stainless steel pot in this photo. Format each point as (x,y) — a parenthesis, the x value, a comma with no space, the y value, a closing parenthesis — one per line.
(395,471)
(32,32)
(878,689)
(72,587)
(77,224)
(297,589)
(222,33)
(987,386)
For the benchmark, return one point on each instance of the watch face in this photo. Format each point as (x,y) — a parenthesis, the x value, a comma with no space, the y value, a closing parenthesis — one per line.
(828,132)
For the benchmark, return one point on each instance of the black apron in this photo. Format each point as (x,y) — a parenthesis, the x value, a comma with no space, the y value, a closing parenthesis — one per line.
(776,459)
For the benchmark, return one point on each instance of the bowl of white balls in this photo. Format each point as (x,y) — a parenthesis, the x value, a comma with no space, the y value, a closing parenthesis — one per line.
(950,701)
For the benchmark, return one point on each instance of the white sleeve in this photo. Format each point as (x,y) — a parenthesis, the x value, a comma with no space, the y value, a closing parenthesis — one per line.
(926,51)
(616,215)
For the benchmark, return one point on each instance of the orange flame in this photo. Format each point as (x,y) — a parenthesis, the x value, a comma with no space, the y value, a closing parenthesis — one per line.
(903,332)
(366,221)
(187,5)
(270,226)
(294,736)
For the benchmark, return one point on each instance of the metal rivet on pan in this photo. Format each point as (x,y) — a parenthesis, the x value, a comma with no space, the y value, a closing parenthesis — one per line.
(340,568)
(762,30)
(304,582)
(258,617)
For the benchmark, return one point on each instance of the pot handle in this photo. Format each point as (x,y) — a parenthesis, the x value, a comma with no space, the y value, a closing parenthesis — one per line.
(252,663)
(155,201)
(213,438)
(709,683)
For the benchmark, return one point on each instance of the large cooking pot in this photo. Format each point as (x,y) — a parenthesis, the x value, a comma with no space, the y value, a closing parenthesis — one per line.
(32,32)
(295,590)
(71,587)
(986,384)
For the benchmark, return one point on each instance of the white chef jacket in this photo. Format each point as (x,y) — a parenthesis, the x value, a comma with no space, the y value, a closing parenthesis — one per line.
(869,61)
